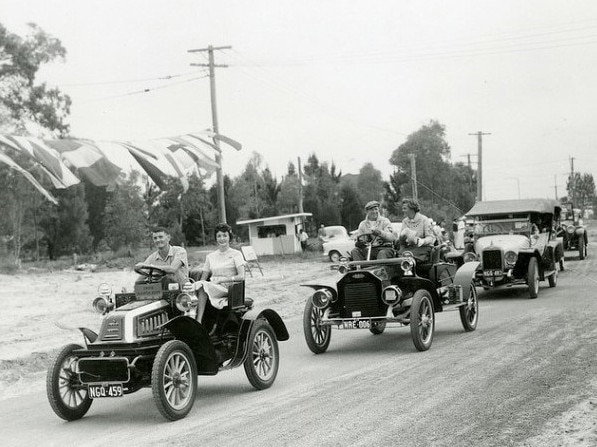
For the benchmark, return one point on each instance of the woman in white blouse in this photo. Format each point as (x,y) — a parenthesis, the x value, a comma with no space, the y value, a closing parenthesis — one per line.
(226,265)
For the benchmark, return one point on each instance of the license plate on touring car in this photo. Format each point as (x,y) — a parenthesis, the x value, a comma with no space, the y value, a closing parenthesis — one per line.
(99,391)
(356,324)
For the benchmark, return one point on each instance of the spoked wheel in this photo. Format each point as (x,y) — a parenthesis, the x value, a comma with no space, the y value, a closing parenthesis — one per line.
(553,279)
(533,278)
(469,313)
(422,320)
(67,395)
(582,249)
(174,380)
(261,365)
(377,327)
(317,336)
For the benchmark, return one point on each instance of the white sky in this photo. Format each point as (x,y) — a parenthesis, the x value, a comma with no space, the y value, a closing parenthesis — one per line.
(348,80)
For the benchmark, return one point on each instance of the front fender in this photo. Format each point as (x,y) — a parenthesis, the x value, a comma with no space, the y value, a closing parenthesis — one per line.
(414,283)
(273,318)
(193,333)
(466,274)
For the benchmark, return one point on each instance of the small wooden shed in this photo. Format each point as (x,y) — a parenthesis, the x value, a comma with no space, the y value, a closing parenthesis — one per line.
(276,235)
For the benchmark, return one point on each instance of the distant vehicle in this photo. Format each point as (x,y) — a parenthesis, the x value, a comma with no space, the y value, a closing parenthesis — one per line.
(341,245)
(516,243)
(572,231)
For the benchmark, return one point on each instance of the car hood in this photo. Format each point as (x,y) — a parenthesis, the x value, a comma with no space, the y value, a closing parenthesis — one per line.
(506,242)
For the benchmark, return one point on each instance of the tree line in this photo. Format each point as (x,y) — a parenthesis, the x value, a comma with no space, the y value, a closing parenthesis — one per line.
(92,219)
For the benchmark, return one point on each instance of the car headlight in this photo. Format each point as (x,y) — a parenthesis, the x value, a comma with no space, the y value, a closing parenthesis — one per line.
(322,298)
(407,264)
(186,301)
(391,295)
(102,305)
(510,257)
(469,257)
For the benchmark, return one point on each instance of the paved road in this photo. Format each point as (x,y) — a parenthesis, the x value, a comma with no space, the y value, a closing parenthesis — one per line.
(527,362)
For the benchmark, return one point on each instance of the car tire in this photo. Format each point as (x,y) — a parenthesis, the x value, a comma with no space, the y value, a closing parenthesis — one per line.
(263,356)
(334,256)
(422,320)
(174,380)
(68,397)
(581,247)
(533,278)
(469,313)
(552,279)
(377,327)
(317,336)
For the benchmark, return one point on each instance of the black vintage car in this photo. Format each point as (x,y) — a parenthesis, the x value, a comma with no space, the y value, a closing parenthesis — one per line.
(400,291)
(150,338)
(515,242)
(572,231)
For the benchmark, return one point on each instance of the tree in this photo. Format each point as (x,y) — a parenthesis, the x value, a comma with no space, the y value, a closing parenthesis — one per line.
(351,208)
(370,184)
(125,219)
(581,189)
(322,191)
(288,198)
(24,104)
(25,101)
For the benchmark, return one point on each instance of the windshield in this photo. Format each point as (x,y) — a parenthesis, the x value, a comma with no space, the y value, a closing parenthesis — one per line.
(510,226)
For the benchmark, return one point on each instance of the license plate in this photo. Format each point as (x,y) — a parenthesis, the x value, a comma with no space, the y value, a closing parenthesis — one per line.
(493,273)
(356,324)
(98,391)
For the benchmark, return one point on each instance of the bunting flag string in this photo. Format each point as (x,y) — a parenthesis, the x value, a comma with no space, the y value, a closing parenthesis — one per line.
(66,161)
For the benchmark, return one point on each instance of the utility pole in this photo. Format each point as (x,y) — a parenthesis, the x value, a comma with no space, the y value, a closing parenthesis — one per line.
(300,187)
(413,174)
(479,164)
(214,118)
(572,181)
(555,185)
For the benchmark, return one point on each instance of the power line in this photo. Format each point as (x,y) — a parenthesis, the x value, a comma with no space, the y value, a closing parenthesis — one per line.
(130,81)
(145,90)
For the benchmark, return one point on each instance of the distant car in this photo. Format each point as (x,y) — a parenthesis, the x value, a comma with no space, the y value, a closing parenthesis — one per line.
(515,242)
(572,231)
(341,245)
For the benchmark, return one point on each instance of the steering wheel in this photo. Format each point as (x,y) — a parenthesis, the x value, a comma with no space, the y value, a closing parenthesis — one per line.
(365,240)
(152,273)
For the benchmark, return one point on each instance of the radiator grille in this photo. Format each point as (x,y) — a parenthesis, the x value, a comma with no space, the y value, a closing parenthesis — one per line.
(150,324)
(363,297)
(492,259)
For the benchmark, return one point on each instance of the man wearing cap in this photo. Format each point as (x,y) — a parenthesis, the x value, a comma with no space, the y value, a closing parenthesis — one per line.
(379,227)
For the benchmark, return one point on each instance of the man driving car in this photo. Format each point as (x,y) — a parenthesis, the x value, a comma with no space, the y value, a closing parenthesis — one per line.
(379,230)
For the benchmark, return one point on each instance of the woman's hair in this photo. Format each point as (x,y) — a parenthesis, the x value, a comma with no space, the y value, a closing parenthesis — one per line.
(224,228)
(412,204)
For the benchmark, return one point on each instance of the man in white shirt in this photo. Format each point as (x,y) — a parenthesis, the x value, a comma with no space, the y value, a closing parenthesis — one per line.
(380,229)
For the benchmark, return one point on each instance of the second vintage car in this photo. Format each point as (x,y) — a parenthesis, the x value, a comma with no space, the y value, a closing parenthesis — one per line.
(516,244)
(404,291)
(572,230)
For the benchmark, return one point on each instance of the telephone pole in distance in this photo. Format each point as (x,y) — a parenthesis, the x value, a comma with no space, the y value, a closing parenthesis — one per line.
(479,164)
(214,118)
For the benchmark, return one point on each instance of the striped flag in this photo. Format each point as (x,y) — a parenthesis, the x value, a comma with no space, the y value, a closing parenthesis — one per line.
(13,165)
(88,160)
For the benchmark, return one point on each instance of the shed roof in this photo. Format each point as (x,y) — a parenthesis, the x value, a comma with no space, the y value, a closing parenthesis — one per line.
(266,219)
